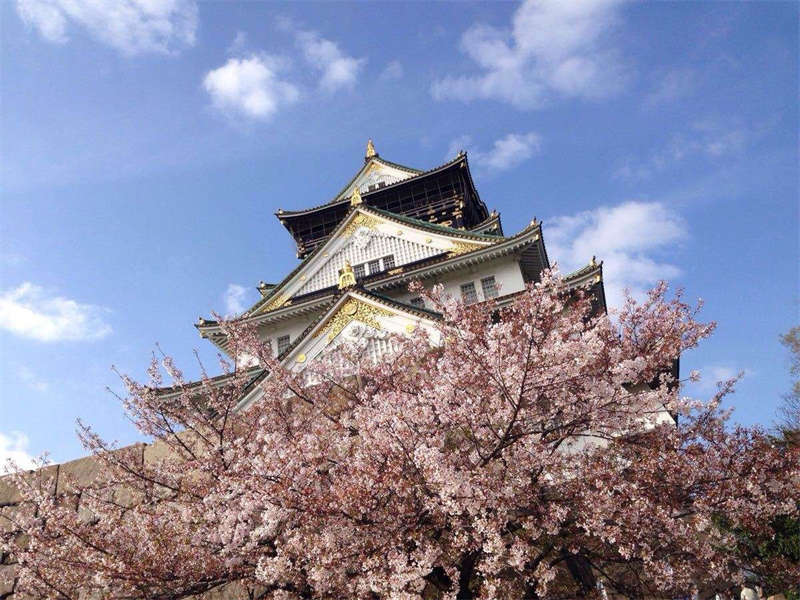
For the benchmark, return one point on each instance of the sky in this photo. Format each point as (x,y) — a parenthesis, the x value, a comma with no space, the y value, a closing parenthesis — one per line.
(146,145)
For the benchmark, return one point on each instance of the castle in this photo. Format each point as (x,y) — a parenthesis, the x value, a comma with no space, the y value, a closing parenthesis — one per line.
(388,226)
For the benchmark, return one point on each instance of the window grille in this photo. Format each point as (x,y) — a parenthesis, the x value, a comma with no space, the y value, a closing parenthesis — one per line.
(374,266)
(283,344)
(489,287)
(419,302)
(388,262)
(468,293)
(359,271)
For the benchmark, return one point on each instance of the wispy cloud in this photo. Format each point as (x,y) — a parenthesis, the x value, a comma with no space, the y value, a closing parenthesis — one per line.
(130,26)
(708,139)
(337,69)
(14,448)
(251,87)
(506,153)
(631,237)
(553,49)
(711,375)
(27,376)
(239,44)
(237,298)
(393,71)
(670,86)
(30,312)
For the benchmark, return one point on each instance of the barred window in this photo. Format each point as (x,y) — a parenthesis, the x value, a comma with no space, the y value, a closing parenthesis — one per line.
(283,344)
(388,262)
(419,302)
(468,293)
(489,287)
(359,271)
(374,266)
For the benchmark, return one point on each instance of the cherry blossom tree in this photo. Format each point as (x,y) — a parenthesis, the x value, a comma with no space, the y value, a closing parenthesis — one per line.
(539,451)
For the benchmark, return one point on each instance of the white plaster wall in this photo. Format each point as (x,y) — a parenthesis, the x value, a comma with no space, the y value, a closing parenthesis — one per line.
(506,273)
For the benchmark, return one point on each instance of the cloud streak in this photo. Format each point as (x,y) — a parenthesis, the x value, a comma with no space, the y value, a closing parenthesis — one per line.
(337,70)
(505,154)
(130,26)
(236,299)
(27,311)
(553,49)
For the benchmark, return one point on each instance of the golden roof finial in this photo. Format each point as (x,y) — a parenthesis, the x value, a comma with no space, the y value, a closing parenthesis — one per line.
(593,262)
(355,197)
(347,278)
(370,149)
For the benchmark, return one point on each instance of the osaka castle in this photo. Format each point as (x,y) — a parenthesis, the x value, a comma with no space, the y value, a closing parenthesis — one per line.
(388,226)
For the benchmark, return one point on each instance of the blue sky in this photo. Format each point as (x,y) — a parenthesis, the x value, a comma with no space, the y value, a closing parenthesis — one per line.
(146,145)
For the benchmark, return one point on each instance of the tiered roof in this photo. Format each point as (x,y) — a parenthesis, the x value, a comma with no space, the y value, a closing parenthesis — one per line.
(445,194)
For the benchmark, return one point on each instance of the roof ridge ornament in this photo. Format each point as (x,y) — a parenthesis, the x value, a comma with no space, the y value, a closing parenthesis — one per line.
(370,150)
(347,278)
(355,197)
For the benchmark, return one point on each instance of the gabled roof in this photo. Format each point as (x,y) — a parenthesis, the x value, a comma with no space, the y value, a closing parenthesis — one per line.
(527,241)
(272,301)
(343,195)
(341,199)
(358,292)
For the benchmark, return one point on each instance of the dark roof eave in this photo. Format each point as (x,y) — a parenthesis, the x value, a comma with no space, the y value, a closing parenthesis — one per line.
(291,214)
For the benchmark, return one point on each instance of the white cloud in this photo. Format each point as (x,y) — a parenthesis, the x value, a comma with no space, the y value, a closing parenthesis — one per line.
(237,299)
(130,26)
(393,71)
(554,48)
(28,311)
(14,447)
(628,236)
(250,87)
(507,152)
(338,70)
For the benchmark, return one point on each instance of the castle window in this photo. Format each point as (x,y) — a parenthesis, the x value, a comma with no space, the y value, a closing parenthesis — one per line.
(359,271)
(283,344)
(388,262)
(489,287)
(419,302)
(468,293)
(374,266)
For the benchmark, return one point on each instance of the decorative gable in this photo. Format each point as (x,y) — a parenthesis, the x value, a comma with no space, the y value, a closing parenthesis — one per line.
(362,319)
(375,174)
(365,236)
(364,247)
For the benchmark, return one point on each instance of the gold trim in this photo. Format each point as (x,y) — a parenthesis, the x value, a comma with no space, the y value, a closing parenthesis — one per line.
(410,328)
(360,220)
(347,278)
(352,310)
(301,358)
(460,248)
(276,303)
